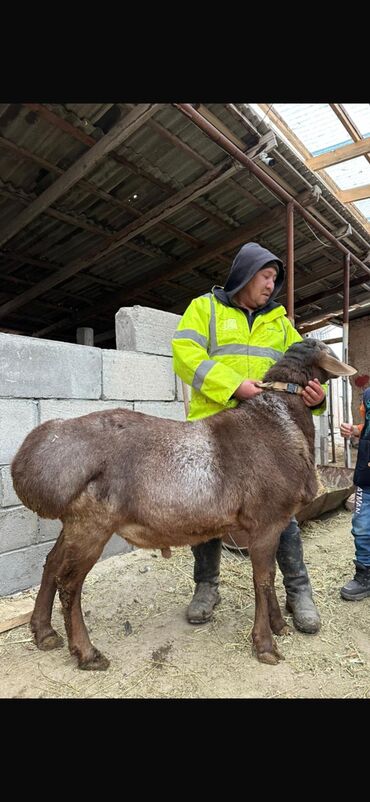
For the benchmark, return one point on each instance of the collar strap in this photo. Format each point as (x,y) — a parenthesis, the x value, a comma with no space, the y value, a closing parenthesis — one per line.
(282,387)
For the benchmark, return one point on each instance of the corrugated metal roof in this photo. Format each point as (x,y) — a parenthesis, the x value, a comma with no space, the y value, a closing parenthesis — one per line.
(161,265)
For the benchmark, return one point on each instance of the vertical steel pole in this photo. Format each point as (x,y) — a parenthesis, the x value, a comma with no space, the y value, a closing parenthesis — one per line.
(290,261)
(345,379)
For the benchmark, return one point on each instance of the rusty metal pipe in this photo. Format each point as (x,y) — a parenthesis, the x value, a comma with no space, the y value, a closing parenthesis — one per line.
(290,260)
(345,379)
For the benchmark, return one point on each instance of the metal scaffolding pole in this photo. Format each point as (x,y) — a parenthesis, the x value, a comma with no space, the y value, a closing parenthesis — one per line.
(345,379)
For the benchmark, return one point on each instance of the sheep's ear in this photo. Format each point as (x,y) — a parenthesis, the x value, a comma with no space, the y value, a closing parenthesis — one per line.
(334,366)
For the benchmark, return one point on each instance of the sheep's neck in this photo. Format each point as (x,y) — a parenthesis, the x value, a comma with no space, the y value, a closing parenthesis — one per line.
(288,373)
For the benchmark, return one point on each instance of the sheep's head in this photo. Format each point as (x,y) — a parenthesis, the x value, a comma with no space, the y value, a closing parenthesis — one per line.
(308,359)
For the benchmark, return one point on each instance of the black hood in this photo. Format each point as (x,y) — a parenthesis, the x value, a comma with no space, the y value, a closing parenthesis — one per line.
(251,258)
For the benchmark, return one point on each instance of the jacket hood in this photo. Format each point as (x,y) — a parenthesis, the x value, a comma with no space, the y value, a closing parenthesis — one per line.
(251,258)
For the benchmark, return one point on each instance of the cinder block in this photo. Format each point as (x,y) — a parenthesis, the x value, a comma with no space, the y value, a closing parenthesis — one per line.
(73,409)
(8,496)
(22,569)
(17,418)
(137,376)
(161,409)
(18,528)
(140,328)
(33,368)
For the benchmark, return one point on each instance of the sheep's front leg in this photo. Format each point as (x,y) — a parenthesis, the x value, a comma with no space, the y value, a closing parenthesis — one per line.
(81,551)
(277,623)
(266,607)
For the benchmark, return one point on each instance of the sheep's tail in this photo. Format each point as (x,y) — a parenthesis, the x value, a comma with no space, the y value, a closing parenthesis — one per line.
(52,467)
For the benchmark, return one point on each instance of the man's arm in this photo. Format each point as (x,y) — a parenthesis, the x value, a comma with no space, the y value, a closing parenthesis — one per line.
(351,429)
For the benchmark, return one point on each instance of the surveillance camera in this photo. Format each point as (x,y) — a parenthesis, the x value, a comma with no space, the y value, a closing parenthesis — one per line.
(266,159)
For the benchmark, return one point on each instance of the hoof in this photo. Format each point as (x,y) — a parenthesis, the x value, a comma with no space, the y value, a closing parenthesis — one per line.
(271,657)
(96,663)
(285,630)
(51,641)
(280,627)
(268,657)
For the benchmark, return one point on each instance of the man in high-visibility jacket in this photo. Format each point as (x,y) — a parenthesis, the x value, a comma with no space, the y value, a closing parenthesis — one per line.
(225,342)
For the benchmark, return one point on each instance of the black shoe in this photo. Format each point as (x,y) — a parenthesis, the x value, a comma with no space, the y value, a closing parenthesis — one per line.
(357,588)
(201,607)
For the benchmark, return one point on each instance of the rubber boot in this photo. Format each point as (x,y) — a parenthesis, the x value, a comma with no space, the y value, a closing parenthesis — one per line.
(359,587)
(206,577)
(298,588)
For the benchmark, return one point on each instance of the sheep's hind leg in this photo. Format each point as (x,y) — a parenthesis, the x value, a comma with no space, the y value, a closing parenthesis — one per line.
(45,636)
(81,551)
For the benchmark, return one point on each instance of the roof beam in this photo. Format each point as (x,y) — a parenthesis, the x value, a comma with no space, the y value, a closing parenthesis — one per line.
(328,292)
(348,123)
(316,322)
(20,196)
(342,154)
(205,183)
(167,187)
(232,240)
(354,194)
(121,131)
(106,196)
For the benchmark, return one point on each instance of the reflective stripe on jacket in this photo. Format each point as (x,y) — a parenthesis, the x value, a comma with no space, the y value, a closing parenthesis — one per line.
(214,351)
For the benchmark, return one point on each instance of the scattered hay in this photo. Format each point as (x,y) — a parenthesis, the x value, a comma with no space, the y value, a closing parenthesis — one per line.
(135,612)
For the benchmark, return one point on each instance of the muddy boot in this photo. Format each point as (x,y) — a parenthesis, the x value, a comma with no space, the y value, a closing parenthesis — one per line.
(206,577)
(296,582)
(359,587)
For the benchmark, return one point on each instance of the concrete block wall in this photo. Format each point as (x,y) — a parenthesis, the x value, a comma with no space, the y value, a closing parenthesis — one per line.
(44,379)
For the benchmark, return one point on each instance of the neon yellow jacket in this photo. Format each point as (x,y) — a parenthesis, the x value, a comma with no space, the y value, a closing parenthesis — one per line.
(214,351)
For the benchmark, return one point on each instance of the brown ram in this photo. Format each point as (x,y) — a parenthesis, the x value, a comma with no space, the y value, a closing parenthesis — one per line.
(162,483)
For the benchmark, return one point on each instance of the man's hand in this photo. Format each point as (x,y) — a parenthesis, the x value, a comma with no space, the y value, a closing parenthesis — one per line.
(247,389)
(313,394)
(348,429)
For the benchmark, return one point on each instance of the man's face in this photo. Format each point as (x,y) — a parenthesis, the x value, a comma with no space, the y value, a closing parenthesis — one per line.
(259,289)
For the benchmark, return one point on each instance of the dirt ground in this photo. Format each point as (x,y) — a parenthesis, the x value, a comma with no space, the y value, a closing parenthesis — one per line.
(134,607)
